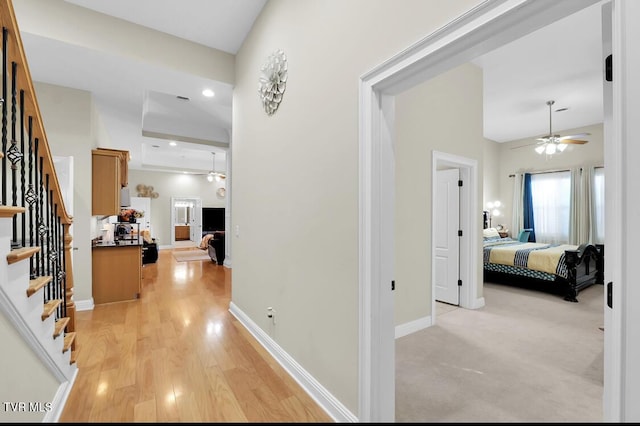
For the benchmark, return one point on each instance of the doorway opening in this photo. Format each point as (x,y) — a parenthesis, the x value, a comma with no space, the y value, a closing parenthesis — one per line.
(186,221)
(468,202)
(484,28)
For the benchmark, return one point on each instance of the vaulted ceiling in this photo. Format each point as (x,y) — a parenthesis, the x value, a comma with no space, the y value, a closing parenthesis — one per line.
(144,106)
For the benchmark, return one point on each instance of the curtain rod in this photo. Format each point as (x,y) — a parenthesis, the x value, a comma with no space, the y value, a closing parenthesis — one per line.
(552,171)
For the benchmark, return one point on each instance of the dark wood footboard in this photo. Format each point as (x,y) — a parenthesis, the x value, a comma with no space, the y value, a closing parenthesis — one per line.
(585,266)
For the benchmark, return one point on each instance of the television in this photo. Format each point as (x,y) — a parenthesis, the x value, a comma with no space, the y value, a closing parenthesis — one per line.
(212,219)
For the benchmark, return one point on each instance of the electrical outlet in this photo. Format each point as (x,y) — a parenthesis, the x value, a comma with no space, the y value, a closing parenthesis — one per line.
(271,313)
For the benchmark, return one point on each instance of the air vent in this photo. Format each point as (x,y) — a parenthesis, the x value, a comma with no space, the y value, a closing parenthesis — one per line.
(182,98)
(561,109)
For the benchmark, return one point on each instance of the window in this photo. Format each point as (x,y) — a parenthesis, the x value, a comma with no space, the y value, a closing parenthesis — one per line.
(551,198)
(598,205)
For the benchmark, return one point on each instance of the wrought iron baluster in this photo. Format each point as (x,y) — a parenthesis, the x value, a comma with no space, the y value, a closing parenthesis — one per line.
(5,35)
(63,267)
(31,197)
(47,218)
(15,156)
(23,184)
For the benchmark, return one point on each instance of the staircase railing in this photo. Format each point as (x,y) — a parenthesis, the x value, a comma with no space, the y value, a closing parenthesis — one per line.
(27,175)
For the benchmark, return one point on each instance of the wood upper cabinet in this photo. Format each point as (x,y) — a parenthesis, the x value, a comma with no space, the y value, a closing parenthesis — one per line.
(124,164)
(109,174)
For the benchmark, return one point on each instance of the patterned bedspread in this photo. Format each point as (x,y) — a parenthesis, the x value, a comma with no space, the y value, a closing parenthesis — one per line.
(535,257)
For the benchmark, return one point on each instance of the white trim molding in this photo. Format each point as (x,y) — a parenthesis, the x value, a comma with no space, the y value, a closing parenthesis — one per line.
(413,326)
(322,396)
(85,305)
(482,29)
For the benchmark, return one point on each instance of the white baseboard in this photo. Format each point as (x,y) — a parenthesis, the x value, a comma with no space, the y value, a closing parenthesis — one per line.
(478,303)
(413,326)
(322,396)
(60,400)
(84,305)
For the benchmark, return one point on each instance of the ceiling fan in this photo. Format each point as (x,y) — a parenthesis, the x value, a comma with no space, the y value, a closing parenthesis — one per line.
(551,143)
(213,174)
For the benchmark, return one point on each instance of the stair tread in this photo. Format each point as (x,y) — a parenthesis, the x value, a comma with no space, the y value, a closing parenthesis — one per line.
(60,325)
(17,255)
(68,340)
(37,283)
(50,308)
(10,211)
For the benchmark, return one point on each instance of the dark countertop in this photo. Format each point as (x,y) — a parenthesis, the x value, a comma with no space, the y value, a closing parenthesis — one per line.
(117,243)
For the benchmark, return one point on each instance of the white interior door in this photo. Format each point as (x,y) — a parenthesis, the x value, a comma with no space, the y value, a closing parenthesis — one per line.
(447,240)
(196,221)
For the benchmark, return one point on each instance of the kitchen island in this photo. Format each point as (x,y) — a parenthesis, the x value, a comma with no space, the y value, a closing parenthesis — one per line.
(117,271)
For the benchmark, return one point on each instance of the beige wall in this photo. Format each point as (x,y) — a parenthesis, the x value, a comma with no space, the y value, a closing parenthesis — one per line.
(444,114)
(513,157)
(491,174)
(295,174)
(20,369)
(61,20)
(169,185)
(72,130)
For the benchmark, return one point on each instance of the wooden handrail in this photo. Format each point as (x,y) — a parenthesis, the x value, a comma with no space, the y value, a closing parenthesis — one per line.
(15,51)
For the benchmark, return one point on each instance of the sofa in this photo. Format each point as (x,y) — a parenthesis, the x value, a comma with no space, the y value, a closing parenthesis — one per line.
(215,247)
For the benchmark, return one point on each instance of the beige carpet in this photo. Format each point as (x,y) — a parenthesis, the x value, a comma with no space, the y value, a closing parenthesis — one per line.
(190,255)
(526,356)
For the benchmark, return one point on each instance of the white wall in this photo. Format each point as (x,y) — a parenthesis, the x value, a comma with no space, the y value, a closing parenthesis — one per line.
(443,114)
(295,174)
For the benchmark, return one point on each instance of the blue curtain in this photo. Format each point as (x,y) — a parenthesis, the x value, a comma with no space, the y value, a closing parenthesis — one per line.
(527,207)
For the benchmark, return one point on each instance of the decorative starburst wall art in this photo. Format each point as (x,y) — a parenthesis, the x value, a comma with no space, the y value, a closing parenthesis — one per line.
(273,81)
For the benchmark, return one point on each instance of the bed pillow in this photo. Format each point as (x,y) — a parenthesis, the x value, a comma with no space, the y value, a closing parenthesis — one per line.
(490,233)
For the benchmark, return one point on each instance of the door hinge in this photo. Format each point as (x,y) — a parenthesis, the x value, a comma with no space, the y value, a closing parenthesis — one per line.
(393,284)
(610,294)
(460,183)
(608,68)
(459,232)
(459,282)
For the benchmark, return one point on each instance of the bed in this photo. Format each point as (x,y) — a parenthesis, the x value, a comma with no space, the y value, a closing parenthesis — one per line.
(557,267)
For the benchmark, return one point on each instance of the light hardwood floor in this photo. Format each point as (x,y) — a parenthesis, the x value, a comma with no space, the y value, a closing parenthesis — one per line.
(178,355)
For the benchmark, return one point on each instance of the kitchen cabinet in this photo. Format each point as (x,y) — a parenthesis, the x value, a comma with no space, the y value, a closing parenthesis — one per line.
(116,273)
(109,175)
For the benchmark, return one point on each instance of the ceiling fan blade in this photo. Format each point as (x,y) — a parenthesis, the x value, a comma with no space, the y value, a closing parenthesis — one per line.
(579,135)
(524,146)
(572,141)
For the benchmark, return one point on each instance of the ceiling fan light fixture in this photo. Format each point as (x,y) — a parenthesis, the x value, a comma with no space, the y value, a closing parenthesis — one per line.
(540,149)
(550,149)
(561,147)
(210,177)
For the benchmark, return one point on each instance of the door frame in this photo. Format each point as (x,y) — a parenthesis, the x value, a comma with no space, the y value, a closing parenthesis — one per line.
(468,169)
(197,201)
(482,29)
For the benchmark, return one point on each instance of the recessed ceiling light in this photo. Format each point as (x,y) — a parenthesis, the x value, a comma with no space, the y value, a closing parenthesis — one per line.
(208,93)
(172,143)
